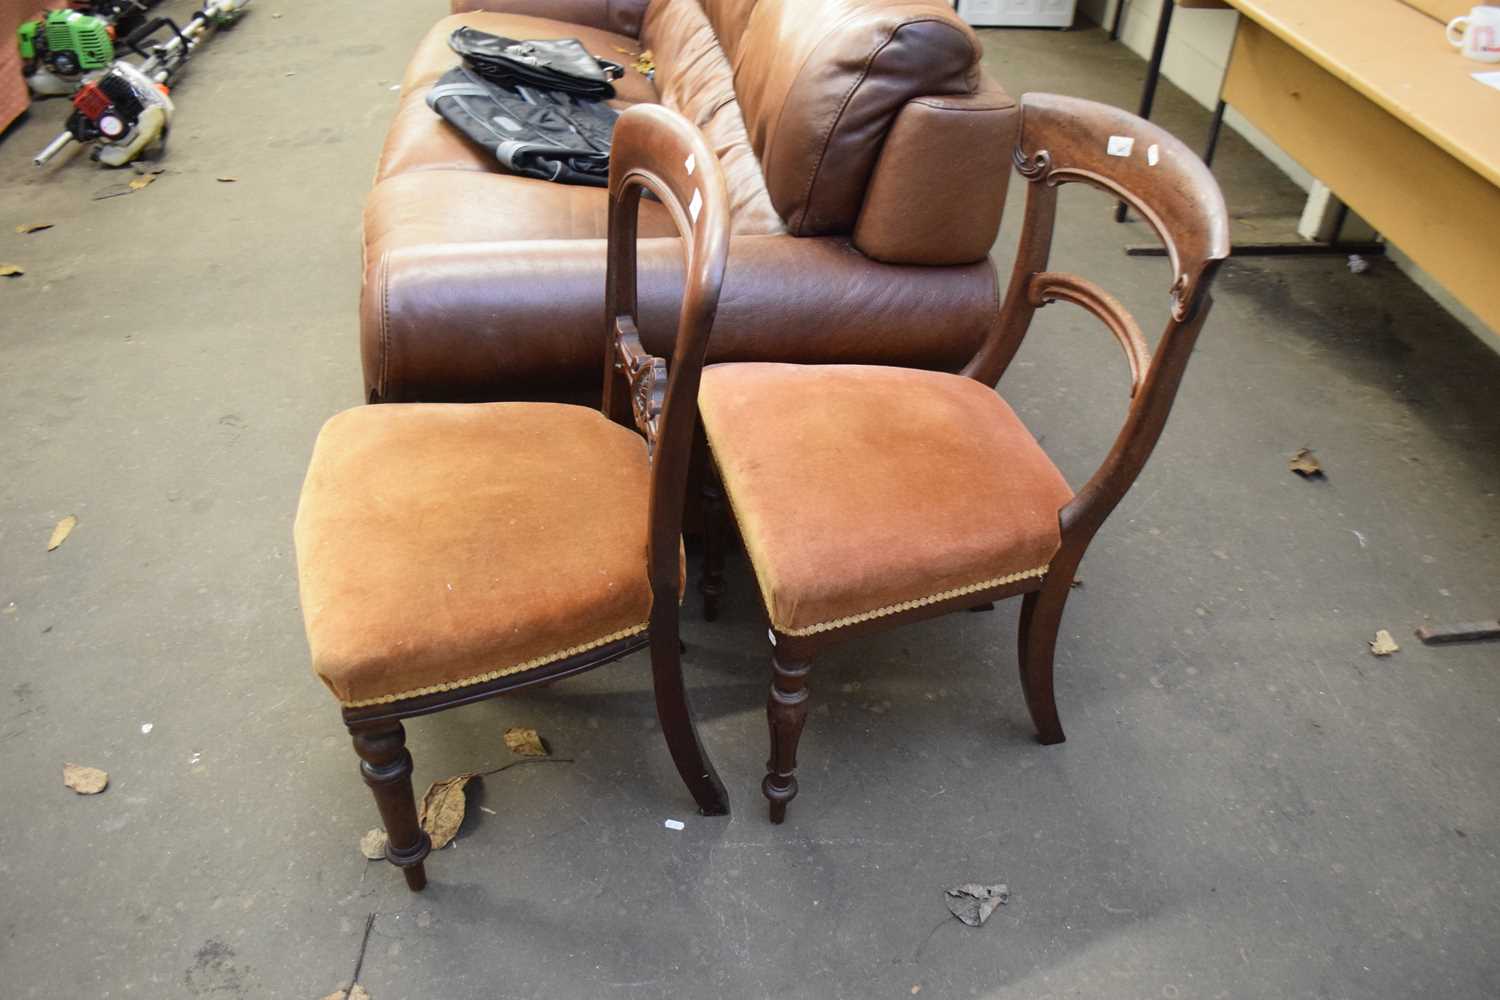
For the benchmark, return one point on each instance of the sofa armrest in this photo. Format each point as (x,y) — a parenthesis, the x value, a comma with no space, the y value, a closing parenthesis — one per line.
(938,190)
(526,320)
(620,16)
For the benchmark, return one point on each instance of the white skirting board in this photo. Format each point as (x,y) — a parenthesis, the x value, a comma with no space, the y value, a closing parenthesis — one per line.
(1017,13)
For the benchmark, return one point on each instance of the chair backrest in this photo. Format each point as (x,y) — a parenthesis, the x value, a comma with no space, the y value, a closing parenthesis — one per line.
(1067,140)
(659,151)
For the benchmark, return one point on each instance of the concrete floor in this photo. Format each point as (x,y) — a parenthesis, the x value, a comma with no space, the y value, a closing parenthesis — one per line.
(1249,805)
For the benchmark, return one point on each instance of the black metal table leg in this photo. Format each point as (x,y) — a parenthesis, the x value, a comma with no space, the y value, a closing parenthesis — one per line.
(1153,73)
(1214,128)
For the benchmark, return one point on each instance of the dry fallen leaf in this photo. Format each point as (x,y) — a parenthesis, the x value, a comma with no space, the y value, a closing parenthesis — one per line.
(10,271)
(358,992)
(442,809)
(1383,644)
(227,180)
(145,180)
(34,227)
(973,903)
(525,742)
(62,531)
(372,845)
(1305,464)
(84,780)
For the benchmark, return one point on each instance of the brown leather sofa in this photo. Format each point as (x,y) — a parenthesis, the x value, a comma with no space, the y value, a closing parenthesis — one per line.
(867,154)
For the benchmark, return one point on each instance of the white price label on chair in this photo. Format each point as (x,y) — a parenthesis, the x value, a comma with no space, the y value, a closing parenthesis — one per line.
(1120,145)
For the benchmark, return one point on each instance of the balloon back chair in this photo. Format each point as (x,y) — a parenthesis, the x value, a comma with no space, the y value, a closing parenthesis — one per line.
(448,553)
(869,496)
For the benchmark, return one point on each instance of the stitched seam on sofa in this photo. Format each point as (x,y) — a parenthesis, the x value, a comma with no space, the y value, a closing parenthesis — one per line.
(997,298)
(385,324)
(812,178)
(935,102)
(734,79)
(812,181)
(919,602)
(531,664)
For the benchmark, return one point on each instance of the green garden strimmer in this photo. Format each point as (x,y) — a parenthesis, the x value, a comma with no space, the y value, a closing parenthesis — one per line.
(58,47)
(126,110)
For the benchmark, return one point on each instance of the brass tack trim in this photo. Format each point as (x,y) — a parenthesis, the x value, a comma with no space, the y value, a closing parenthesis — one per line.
(919,602)
(531,664)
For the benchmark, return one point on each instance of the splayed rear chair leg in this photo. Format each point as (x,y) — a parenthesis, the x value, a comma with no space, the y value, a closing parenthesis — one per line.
(1041,616)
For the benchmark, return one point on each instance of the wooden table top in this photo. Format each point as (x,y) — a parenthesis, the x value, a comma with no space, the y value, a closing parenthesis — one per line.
(1398,57)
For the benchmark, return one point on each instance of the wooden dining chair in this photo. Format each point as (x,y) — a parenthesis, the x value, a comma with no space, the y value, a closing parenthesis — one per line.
(869,496)
(448,553)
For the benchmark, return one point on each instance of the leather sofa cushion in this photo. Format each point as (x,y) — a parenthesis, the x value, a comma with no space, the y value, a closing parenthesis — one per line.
(819,84)
(419,139)
(700,87)
(728,18)
(465,321)
(864,491)
(698,83)
(440,546)
(433,57)
(938,191)
(623,16)
(451,206)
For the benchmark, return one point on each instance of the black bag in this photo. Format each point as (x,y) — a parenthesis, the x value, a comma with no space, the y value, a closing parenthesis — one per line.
(560,64)
(535,133)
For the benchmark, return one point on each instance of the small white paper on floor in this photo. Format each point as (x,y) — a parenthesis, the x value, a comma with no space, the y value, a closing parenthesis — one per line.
(675,824)
(1490,79)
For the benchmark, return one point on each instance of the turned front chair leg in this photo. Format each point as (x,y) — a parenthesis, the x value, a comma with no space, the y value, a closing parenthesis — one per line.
(386,766)
(786,712)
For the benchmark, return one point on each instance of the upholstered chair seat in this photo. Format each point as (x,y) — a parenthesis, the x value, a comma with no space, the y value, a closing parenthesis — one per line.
(447,545)
(865,491)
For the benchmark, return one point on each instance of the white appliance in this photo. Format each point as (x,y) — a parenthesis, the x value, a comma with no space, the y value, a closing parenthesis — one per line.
(1017,13)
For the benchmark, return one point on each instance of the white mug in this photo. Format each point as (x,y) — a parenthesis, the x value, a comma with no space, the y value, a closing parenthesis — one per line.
(1477,34)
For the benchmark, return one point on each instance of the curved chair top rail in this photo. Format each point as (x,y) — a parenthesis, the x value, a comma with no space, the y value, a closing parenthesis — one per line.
(1068,139)
(660,151)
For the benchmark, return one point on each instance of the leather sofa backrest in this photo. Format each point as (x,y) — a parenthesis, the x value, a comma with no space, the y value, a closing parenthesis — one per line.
(695,79)
(820,83)
(729,18)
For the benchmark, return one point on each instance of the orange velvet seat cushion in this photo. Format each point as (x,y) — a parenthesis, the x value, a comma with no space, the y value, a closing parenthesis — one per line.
(445,545)
(862,491)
